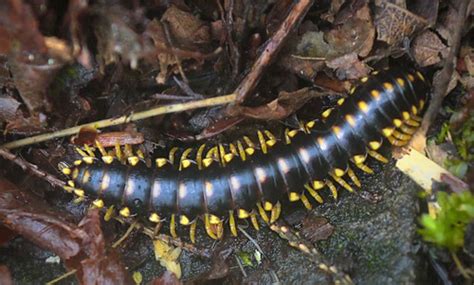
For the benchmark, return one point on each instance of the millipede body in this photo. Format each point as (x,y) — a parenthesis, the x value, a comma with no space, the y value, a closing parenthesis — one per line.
(246,178)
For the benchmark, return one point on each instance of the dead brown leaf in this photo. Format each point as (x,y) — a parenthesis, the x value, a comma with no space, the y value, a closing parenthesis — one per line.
(394,23)
(286,104)
(428,49)
(185,28)
(349,66)
(316,229)
(8,108)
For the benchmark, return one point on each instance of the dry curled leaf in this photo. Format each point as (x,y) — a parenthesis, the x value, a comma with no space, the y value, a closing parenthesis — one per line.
(428,49)
(286,104)
(316,229)
(349,66)
(394,24)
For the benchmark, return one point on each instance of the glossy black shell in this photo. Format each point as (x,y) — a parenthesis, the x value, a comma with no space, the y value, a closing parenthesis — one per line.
(270,177)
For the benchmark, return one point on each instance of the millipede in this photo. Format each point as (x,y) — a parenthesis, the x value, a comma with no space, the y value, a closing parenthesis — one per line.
(254,175)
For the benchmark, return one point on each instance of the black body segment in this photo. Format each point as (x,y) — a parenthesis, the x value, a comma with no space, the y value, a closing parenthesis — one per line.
(382,103)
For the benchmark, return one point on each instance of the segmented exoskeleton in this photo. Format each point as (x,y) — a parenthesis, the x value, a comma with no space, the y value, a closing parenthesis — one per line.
(246,179)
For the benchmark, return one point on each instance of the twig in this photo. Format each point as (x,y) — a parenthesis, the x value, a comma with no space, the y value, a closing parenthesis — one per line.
(29,167)
(240,266)
(162,96)
(271,48)
(125,235)
(220,100)
(184,85)
(64,276)
(440,86)
(252,240)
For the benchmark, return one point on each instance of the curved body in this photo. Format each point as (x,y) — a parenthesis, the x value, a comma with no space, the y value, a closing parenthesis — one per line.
(385,107)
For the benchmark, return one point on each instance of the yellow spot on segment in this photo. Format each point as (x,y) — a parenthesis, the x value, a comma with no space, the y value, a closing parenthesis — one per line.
(184,220)
(294,196)
(375,94)
(339,172)
(66,171)
(374,145)
(250,150)
(363,106)
(387,132)
(98,203)
(133,160)
(185,163)
(77,162)
(340,101)
(397,122)
(71,183)
(411,77)
(68,189)
(207,161)
(350,119)
(228,157)
(105,182)
(154,218)
(88,159)
(317,184)
(292,133)
(107,159)
(364,79)
(242,214)
(267,206)
(75,173)
(326,113)
(310,124)
(352,90)
(160,161)
(79,192)
(359,158)
(414,110)
(388,86)
(214,220)
(337,131)
(401,82)
(405,115)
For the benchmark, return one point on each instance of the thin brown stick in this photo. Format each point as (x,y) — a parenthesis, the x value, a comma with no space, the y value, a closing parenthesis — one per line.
(31,168)
(440,86)
(173,108)
(272,47)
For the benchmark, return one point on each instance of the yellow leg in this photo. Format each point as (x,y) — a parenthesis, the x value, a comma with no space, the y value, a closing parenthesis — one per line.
(365,168)
(342,182)
(208,227)
(276,210)
(377,156)
(262,213)
(332,188)
(232,224)
(253,219)
(353,177)
(314,193)
(173,226)
(192,232)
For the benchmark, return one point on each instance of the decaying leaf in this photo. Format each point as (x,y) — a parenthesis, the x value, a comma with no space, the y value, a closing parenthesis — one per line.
(349,66)
(394,24)
(428,49)
(286,104)
(168,256)
(316,228)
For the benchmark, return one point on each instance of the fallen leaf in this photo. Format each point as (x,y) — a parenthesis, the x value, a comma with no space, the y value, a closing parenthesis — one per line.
(428,49)
(394,24)
(349,66)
